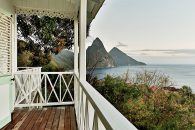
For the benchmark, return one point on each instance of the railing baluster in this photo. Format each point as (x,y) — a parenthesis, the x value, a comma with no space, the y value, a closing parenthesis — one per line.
(61,87)
(29,84)
(53,88)
(98,113)
(81,110)
(93,112)
(67,88)
(86,115)
(45,88)
(95,122)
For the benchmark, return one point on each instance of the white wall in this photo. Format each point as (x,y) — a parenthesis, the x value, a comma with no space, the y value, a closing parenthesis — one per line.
(4,101)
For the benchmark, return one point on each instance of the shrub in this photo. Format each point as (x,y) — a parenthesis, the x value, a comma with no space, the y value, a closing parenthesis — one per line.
(159,109)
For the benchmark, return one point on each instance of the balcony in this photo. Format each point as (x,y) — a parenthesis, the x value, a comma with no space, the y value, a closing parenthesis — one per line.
(36,99)
(54,118)
(47,100)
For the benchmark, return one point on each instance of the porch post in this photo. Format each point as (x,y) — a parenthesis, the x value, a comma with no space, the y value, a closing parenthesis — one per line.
(76,48)
(14,44)
(82,39)
(14,56)
(76,66)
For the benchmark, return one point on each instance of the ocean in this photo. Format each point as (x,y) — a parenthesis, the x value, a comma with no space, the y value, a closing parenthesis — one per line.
(180,74)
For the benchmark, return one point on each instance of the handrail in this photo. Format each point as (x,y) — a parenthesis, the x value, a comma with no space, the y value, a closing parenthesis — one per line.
(27,67)
(92,110)
(22,72)
(35,88)
(110,117)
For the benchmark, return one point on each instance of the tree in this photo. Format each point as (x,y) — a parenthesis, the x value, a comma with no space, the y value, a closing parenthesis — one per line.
(39,37)
(159,109)
(152,78)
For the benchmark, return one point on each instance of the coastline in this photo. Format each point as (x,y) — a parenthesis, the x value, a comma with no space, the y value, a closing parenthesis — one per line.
(181,74)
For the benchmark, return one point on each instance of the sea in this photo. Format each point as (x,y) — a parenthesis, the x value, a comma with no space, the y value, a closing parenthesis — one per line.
(179,74)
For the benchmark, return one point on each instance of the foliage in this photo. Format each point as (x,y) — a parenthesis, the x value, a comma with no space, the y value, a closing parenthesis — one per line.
(147,108)
(39,37)
(152,78)
(28,57)
(45,32)
(51,66)
(114,89)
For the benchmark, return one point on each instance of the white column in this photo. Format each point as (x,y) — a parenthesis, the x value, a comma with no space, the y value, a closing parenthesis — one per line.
(14,44)
(14,55)
(76,66)
(82,39)
(76,48)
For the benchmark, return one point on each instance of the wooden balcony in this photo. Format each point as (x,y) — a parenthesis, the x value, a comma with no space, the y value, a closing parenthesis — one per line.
(77,104)
(46,118)
(31,88)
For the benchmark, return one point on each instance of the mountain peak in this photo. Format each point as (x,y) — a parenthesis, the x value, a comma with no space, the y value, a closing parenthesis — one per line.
(97,42)
(98,56)
(115,49)
(123,59)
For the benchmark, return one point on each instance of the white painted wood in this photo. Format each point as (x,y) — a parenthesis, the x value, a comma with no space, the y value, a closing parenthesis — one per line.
(5,44)
(82,39)
(101,115)
(67,88)
(76,46)
(91,112)
(14,43)
(45,104)
(53,88)
(14,55)
(7,7)
(61,8)
(76,62)
(4,101)
(31,81)
(46,73)
(100,124)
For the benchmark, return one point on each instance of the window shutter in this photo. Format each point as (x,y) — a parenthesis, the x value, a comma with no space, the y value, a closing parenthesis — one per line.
(5,44)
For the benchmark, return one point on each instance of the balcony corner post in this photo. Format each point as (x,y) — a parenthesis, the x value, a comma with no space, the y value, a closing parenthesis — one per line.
(82,39)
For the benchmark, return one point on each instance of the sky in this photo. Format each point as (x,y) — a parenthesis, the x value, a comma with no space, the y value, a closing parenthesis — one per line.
(152,31)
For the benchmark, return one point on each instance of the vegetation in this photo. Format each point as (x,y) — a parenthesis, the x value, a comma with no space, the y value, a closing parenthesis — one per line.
(150,107)
(39,37)
(148,100)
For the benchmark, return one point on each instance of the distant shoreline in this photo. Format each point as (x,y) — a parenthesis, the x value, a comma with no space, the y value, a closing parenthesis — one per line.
(180,74)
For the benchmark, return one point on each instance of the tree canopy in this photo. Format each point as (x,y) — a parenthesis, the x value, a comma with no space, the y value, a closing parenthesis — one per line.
(147,108)
(39,37)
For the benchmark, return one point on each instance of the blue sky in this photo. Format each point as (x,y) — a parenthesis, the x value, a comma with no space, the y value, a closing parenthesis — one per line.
(153,31)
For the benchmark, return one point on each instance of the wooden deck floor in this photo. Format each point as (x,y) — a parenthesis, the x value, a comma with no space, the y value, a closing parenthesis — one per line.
(50,118)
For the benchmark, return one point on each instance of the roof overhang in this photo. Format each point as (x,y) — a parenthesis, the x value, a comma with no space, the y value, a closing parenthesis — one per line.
(57,8)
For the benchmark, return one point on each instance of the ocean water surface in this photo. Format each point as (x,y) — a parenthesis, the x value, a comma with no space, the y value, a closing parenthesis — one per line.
(180,74)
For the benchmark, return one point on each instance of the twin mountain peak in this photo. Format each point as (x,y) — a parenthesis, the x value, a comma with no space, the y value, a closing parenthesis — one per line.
(98,57)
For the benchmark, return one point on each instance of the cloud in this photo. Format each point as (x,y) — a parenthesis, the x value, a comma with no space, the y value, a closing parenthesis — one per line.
(183,51)
(172,51)
(163,52)
(119,44)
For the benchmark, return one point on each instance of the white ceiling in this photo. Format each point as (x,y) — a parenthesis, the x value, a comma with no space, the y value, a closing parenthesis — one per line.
(59,8)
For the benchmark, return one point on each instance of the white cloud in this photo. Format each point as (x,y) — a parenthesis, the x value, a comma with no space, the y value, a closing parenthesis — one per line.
(165,52)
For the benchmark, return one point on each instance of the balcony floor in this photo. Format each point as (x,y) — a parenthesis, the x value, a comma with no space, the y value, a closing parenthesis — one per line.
(47,118)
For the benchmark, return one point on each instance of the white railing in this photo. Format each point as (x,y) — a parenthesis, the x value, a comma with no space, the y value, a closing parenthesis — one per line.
(36,88)
(94,112)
